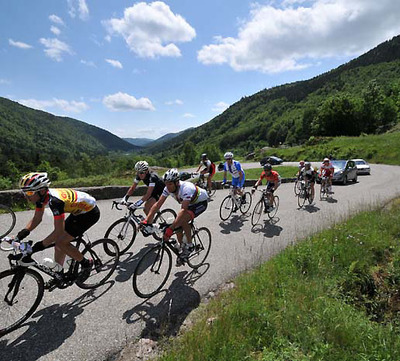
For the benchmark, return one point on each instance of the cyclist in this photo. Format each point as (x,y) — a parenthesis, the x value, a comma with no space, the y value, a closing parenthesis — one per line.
(193,200)
(300,166)
(83,210)
(309,175)
(154,183)
(209,169)
(238,176)
(327,171)
(273,182)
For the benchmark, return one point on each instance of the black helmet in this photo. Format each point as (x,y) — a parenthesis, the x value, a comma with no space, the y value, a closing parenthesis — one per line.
(267,166)
(204,156)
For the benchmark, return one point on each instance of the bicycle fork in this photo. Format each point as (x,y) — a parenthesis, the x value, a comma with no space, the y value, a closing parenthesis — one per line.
(14,286)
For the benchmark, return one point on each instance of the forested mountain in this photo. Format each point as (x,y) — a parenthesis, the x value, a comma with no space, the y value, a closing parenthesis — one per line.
(361,96)
(140,142)
(30,136)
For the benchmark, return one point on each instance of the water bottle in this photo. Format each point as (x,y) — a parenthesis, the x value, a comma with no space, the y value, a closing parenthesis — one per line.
(67,262)
(52,265)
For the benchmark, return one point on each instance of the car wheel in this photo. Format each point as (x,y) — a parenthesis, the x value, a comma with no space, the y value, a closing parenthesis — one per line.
(355,179)
(345,180)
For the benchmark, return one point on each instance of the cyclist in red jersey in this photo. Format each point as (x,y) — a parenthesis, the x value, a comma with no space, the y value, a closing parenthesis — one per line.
(327,171)
(273,182)
(209,169)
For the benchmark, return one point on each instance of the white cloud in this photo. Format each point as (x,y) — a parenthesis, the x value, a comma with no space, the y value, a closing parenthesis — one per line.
(291,37)
(151,30)
(107,38)
(5,81)
(188,115)
(55,30)
(55,49)
(114,63)
(19,44)
(56,19)
(88,63)
(80,7)
(125,102)
(174,102)
(64,105)
(220,107)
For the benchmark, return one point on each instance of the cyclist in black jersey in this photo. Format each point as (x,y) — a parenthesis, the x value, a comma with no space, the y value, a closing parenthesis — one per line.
(83,214)
(154,183)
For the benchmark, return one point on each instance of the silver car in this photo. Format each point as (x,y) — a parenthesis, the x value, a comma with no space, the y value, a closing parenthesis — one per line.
(345,170)
(362,166)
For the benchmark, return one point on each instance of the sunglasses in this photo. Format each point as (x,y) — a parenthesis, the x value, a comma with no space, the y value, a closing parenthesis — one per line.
(29,193)
(142,172)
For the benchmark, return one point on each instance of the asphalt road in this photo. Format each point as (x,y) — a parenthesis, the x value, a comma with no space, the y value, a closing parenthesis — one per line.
(75,324)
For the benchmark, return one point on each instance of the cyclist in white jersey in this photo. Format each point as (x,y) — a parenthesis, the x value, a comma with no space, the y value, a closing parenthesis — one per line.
(193,200)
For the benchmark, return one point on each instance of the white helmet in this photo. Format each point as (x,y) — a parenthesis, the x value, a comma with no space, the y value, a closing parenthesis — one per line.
(228,155)
(141,166)
(34,181)
(171,175)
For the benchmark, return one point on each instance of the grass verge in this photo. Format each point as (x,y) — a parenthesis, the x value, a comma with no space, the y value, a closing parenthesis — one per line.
(334,296)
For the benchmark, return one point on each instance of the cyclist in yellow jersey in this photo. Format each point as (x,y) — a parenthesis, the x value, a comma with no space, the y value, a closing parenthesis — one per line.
(83,214)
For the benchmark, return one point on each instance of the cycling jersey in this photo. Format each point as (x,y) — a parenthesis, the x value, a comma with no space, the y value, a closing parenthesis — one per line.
(210,166)
(187,191)
(152,180)
(273,177)
(309,174)
(63,201)
(327,170)
(235,169)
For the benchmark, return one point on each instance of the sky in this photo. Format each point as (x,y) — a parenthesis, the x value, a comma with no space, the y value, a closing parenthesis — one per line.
(148,68)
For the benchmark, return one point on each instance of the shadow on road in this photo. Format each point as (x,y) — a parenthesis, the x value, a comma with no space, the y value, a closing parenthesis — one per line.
(234,224)
(48,328)
(166,317)
(269,228)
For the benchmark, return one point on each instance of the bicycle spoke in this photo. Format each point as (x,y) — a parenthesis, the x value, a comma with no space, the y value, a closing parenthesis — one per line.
(123,233)
(201,240)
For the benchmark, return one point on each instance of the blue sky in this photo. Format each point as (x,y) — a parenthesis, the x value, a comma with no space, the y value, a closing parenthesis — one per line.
(144,69)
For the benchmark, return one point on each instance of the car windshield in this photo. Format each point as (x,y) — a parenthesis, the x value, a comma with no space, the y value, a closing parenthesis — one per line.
(339,164)
(360,162)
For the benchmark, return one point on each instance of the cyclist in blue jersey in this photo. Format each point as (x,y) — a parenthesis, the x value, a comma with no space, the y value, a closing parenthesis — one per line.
(235,169)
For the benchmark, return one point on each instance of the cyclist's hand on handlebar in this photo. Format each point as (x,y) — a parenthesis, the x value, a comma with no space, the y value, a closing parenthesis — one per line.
(138,203)
(168,233)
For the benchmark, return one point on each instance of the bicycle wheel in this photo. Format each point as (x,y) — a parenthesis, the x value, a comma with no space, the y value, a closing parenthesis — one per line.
(166,216)
(226,208)
(257,212)
(201,240)
(322,191)
(104,262)
(297,187)
(21,291)
(213,189)
(301,197)
(272,214)
(123,232)
(310,198)
(248,199)
(152,271)
(7,220)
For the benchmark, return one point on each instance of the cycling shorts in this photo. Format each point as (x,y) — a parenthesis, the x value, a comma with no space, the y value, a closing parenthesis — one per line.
(236,183)
(271,185)
(197,208)
(79,224)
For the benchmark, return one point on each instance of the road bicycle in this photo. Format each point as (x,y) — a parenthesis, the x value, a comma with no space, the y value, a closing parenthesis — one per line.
(123,231)
(297,185)
(154,267)
(232,202)
(7,223)
(202,183)
(22,288)
(325,189)
(304,194)
(264,206)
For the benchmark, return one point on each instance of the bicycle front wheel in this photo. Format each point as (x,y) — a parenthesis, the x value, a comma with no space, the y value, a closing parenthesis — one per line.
(201,240)
(297,187)
(166,216)
(21,291)
(226,208)
(7,220)
(301,198)
(246,204)
(105,255)
(152,271)
(257,212)
(123,233)
(272,214)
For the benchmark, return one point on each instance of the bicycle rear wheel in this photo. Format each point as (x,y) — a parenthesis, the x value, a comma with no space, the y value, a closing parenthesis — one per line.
(152,271)
(104,262)
(272,214)
(21,291)
(257,212)
(7,220)
(201,240)
(123,232)
(248,199)
(213,189)
(226,208)
(166,216)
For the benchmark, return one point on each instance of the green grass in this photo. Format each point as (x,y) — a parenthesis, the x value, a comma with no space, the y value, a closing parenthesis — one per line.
(333,296)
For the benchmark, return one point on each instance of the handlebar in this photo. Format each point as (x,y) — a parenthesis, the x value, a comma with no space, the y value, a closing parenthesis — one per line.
(130,205)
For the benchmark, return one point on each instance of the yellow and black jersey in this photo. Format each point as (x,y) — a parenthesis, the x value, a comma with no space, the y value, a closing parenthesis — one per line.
(63,200)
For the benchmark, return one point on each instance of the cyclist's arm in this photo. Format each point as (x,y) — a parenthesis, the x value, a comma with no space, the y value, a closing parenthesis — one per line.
(155,208)
(148,193)
(59,230)
(224,179)
(36,220)
(184,206)
(131,189)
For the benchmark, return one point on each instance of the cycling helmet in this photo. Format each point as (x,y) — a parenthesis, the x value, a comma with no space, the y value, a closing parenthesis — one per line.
(204,156)
(267,166)
(326,160)
(34,181)
(141,166)
(228,155)
(171,175)
(301,163)
(307,164)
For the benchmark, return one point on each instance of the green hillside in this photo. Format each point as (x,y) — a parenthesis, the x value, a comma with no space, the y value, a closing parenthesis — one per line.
(30,136)
(362,96)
